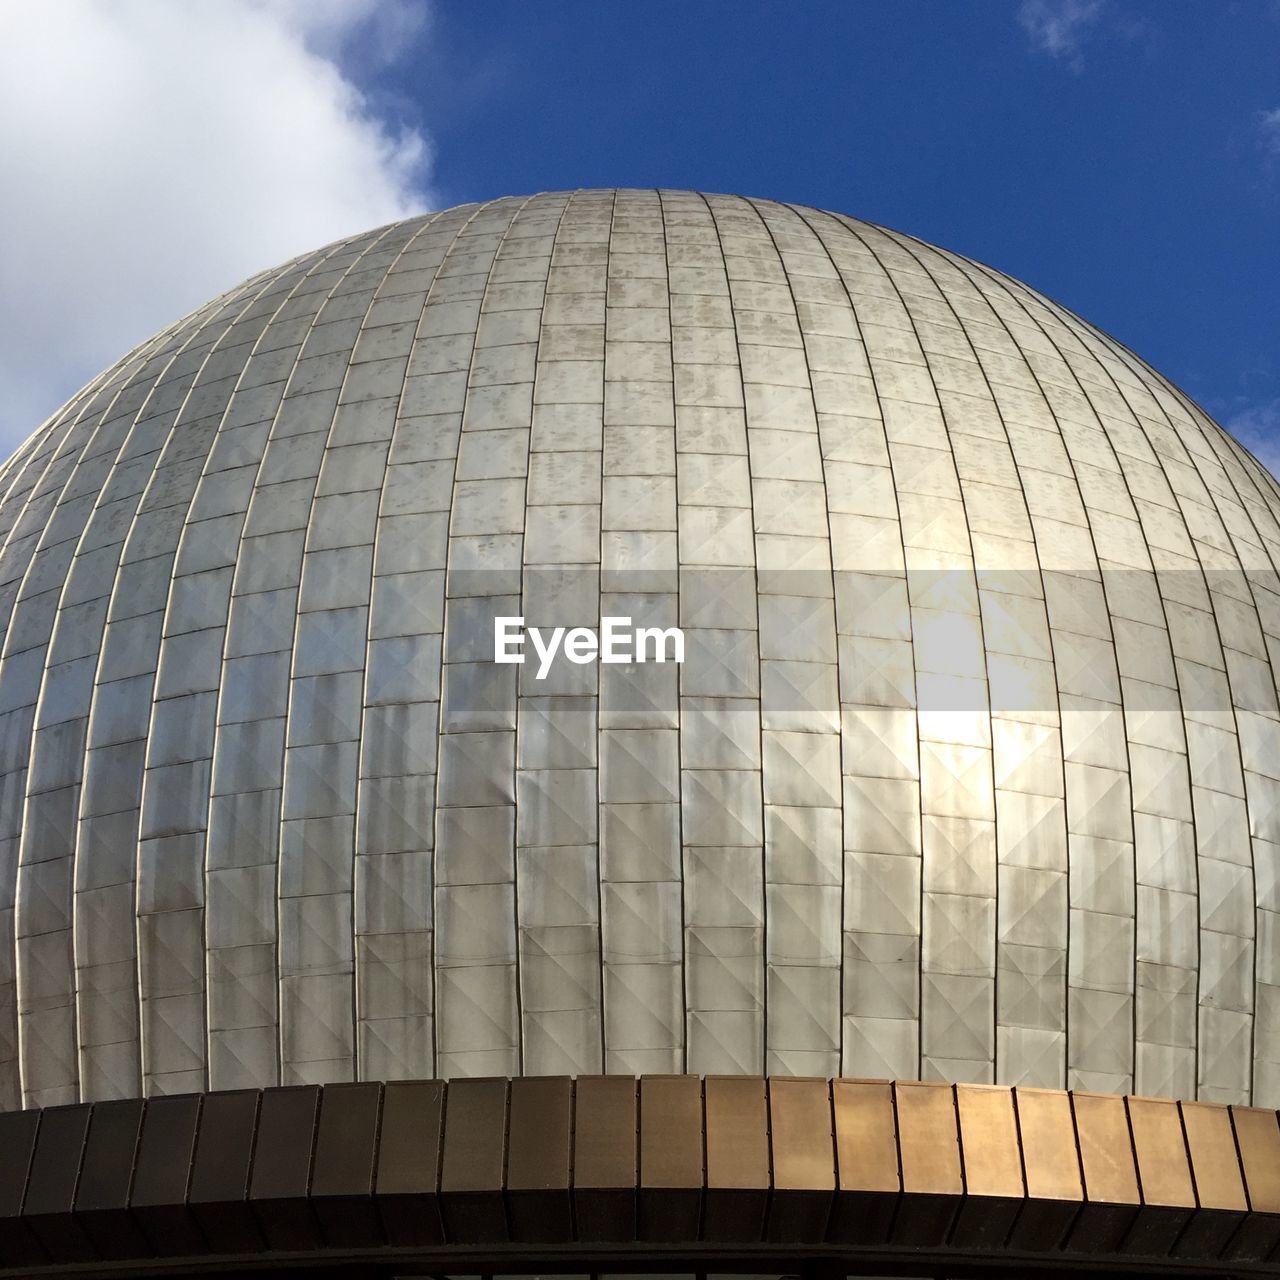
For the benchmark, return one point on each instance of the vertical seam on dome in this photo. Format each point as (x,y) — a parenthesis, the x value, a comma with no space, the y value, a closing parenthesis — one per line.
(82,408)
(1138,366)
(567,200)
(262,284)
(960,263)
(375,244)
(83,405)
(679,806)
(204,320)
(762,1037)
(1227,677)
(1145,377)
(266,281)
(1000,282)
(129,368)
(986,665)
(524,548)
(995,404)
(1060,314)
(435,933)
(422,226)
(1217,442)
(425,224)
(831,576)
(68,416)
(604,357)
(318,261)
(365,243)
(807,214)
(327,255)
(444,618)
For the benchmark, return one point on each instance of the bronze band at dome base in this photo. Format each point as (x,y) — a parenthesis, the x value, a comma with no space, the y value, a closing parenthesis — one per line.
(729,1174)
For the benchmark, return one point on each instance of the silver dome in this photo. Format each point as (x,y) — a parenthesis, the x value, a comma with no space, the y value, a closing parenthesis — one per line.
(972,769)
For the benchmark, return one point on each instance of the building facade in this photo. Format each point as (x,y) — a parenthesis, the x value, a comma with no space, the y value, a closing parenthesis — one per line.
(969,775)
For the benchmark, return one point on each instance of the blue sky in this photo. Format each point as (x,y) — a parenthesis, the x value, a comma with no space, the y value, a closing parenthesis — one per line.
(1117,155)
(1121,155)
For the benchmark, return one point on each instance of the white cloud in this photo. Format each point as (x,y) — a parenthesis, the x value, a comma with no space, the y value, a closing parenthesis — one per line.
(155,153)
(388,26)
(1060,27)
(1258,429)
(1269,128)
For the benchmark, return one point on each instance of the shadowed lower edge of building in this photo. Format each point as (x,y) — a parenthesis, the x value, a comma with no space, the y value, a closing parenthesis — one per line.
(740,1174)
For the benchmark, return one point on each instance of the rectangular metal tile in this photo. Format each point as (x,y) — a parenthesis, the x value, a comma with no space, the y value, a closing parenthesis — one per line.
(220,1172)
(928,1144)
(1164,1173)
(342,1175)
(539,1146)
(105,1177)
(802,1138)
(166,1150)
(671,1157)
(1110,1175)
(604,1158)
(737,1126)
(407,1181)
(1215,1164)
(18,1142)
(869,1181)
(1258,1141)
(994,1190)
(1051,1166)
(51,1184)
(473,1166)
(282,1167)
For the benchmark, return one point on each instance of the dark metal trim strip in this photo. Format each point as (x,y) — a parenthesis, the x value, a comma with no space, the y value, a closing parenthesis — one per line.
(843,1169)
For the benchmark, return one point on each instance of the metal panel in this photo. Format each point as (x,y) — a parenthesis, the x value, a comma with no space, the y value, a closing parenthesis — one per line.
(162,1171)
(51,1184)
(100,1158)
(1215,1163)
(341,1187)
(738,1173)
(672,1152)
(1258,1142)
(972,742)
(474,1159)
(220,1171)
(1110,1174)
(1164,1171)
(106,1173)
(1051,1167)
(800,1116)
(407,1179)
(282,1153)
(605,1157)
(18,1141)
(993,1179)
(868,1168)
(539,1158)
(928,1144)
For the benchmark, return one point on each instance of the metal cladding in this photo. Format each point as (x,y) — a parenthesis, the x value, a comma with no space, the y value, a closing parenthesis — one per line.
(783,1176)
(971,770)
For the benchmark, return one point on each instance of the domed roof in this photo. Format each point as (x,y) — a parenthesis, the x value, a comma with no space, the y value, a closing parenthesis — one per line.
(971,770)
